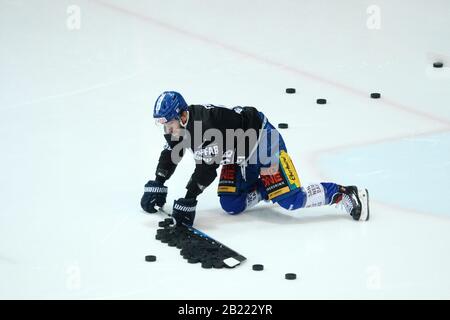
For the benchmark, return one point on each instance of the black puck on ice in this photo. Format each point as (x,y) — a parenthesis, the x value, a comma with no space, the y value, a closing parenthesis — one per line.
(438,65)
(321,101)
(218,265)
(193,260)
(172,243)
(258,267)
(150,258)
(290,276)
(169,221)
(283,125)
(290,90)
(375,95)
(163,224)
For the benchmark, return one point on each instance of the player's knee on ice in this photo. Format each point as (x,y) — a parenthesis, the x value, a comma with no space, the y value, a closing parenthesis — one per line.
(233,204)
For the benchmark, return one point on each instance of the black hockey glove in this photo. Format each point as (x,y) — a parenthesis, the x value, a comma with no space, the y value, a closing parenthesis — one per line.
(184,211)
(155,194)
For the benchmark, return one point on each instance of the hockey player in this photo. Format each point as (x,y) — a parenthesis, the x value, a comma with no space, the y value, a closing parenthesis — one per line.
(253,168)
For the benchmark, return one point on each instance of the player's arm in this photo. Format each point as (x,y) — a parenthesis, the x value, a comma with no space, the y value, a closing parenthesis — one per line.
(203,176)
(166,166)
(155,193)
(184,208)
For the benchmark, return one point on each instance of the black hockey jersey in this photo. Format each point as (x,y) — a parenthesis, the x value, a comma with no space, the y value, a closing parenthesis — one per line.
(212,134)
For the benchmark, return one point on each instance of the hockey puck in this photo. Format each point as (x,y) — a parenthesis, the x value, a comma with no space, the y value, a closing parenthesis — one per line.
(375,95)
(193,260)
(150,258)
(169,221)
(321,101)
(172,243)
(290,90)
(163,224)
(258,267)
(438,65)
(283,125)
(207,265)
(290,276)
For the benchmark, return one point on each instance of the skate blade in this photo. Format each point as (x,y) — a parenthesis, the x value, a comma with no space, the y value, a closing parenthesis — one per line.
(364,198)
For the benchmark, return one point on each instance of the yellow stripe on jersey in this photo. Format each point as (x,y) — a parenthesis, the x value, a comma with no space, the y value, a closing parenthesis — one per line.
(226,189)
(278,192)
(289,169)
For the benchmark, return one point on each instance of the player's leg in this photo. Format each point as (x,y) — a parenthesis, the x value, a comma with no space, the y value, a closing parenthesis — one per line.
(233,203)
(240,188)
(231,200)
(277,172)
(311,195)
(355,201)
(282,184)
(237,194)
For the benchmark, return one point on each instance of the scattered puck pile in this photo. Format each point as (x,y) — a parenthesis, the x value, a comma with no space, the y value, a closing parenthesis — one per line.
(373,95)
(287,276)
(193,248)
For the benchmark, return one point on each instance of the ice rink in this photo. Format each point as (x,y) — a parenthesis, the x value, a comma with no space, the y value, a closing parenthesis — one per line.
(78,82)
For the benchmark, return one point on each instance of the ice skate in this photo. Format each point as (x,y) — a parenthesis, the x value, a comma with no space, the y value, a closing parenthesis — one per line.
(354,201)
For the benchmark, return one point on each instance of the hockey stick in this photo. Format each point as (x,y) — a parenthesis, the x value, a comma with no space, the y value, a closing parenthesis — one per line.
(231,262)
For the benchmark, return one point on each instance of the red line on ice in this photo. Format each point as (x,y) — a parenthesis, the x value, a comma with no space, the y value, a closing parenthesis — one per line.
(267,61)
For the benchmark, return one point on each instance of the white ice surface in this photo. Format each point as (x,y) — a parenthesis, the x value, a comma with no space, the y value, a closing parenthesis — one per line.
(77,144)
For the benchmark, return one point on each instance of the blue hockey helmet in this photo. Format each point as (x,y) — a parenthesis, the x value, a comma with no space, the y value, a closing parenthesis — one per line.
(169,106)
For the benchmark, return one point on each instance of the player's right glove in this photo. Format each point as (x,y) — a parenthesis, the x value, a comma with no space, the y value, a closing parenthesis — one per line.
(184,211)
(155,194)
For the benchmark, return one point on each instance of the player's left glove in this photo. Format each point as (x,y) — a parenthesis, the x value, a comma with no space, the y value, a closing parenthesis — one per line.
(184,211)
(155,195)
